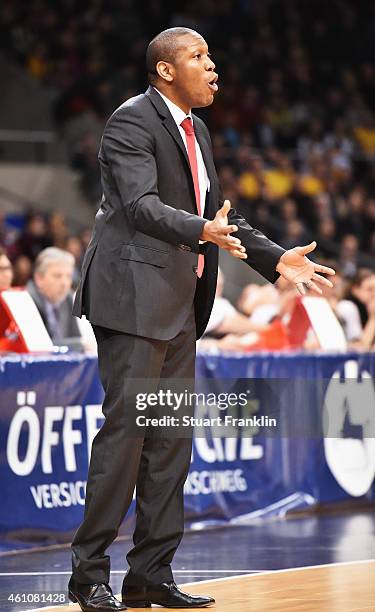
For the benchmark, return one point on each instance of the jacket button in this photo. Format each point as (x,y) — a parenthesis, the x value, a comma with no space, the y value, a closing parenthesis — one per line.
(195,269)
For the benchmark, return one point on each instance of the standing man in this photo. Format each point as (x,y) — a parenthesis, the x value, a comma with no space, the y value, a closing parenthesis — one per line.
(148,285)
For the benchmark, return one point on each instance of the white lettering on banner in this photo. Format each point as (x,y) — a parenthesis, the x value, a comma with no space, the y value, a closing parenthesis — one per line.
(224,481)
(227,449)
(26,425)
(63,494)
(71,436)
(224,449)
(50,437)
(249,450)
(350,401)
(93,415)
(29,417)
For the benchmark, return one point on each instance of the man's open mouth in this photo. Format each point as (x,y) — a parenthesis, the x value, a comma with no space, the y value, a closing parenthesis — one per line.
(213,84)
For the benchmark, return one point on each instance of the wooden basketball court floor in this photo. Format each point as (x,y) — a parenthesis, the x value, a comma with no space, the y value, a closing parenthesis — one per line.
(312,564)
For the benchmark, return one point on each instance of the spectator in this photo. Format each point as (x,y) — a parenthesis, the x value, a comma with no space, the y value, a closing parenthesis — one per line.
(365,132)
(74,246)
(348,258)
(225,319)
(259,303)
(295,234)
(51,292)
(354,220)
(263,303)
(327,246)
(33,239)
(368,296)
(346,311)
(22,269)
(356,294)
(57,230)
(6,272)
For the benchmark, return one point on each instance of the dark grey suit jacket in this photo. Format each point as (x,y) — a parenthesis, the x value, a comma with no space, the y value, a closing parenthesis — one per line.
(138,274)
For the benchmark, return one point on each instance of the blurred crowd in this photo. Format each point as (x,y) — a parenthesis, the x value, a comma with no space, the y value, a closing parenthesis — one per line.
(293,126)
(45,257)
(23,237)
(264,317)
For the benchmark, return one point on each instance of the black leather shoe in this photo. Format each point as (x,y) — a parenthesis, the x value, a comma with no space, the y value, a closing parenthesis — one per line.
(94,597)
(166,594)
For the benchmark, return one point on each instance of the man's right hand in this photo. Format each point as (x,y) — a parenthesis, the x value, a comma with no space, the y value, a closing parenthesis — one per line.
(219,232)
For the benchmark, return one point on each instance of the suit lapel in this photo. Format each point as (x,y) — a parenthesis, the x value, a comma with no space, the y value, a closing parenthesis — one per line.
(168,121)
(170,125)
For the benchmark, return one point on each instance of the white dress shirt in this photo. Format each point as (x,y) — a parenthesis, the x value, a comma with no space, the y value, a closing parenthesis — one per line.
(179,115)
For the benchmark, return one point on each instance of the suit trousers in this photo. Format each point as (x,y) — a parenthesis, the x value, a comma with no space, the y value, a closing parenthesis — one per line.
(157,467)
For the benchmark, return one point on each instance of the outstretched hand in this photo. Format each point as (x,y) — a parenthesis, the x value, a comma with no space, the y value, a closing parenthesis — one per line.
(219,232)
(299,270)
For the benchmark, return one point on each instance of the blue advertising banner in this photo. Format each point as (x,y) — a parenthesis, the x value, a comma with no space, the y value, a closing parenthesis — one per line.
(285,471)
(51,412)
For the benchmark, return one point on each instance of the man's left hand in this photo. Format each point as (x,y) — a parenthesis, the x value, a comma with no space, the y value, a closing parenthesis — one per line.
(299,270)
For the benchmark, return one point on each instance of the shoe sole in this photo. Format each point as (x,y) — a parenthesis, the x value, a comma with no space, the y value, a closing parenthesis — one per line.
(147,604)
(74,599)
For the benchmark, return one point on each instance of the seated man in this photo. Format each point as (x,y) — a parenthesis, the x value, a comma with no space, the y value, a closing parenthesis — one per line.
(51,292)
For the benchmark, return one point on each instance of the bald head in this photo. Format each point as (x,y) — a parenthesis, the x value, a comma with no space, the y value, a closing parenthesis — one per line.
(180,67)
(164,48)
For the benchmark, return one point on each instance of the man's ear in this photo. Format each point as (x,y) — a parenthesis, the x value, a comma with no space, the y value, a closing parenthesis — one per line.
(165,71)
(37,277)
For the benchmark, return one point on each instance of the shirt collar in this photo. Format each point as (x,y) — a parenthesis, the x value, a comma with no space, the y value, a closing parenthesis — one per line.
(177,113)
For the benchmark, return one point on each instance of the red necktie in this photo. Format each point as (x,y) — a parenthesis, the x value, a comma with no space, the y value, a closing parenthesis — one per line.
(187,126)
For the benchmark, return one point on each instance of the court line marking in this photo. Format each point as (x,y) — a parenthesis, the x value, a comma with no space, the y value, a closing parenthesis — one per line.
(242,573)
(247,572)
(49,547)
(281,571)
(221,571)
(265,573)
